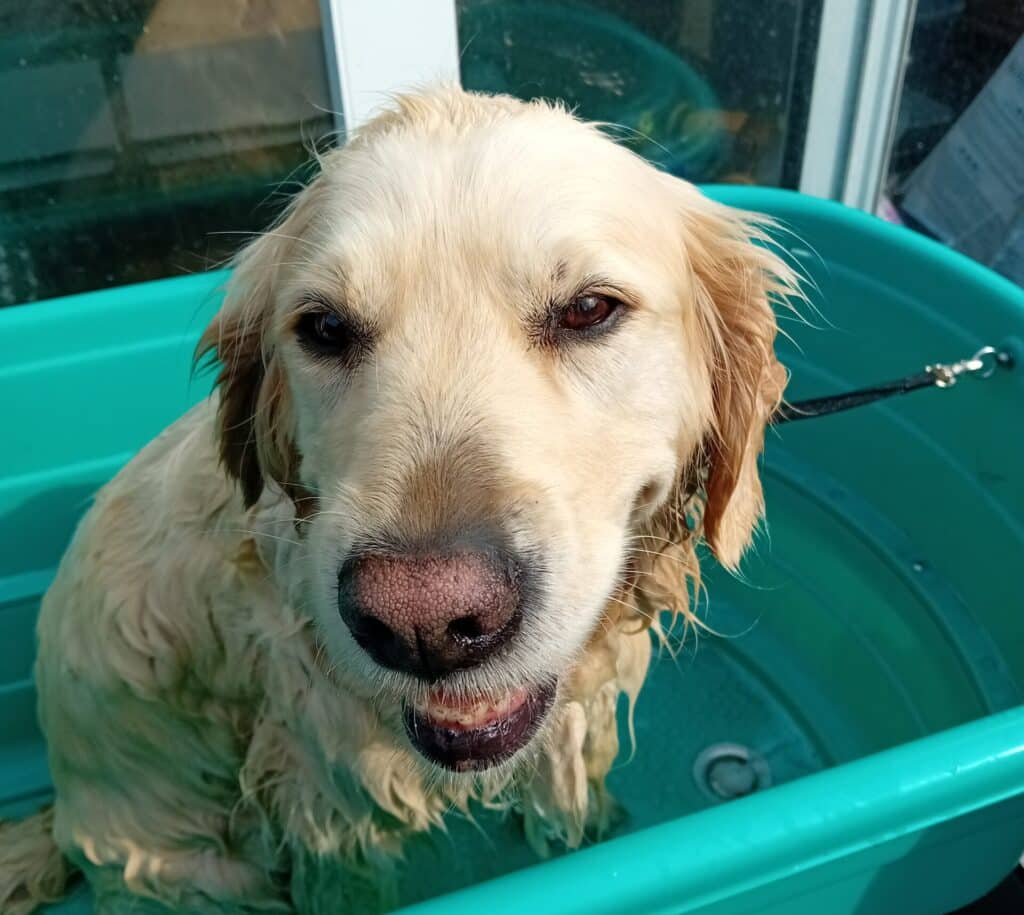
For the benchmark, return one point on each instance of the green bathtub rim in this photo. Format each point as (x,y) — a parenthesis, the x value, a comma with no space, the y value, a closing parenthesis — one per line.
(198,285)
(774,200)
(844,810)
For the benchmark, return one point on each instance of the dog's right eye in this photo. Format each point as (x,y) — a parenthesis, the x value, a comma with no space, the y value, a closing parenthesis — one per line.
(324,332)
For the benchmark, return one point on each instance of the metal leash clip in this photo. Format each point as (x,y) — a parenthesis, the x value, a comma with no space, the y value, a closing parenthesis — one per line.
(981,365)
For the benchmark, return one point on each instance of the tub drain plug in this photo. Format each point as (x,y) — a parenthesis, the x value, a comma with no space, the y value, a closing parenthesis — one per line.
(725,771)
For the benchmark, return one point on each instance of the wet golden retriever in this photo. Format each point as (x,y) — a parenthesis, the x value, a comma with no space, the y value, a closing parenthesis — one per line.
(481,391)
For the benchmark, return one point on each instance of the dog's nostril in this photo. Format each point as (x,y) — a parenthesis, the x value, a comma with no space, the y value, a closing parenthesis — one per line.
(465,629)
(373,635)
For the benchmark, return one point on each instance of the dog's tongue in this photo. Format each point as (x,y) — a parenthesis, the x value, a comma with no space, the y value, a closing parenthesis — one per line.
(470,713)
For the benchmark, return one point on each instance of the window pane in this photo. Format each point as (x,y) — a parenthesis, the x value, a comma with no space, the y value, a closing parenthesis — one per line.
(713,90)
(957,165)
(135,129)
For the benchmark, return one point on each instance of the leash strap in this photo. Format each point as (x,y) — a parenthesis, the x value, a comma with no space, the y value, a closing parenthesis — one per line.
(981,365)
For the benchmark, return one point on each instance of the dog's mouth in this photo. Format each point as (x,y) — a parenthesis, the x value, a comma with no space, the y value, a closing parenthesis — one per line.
(475,734)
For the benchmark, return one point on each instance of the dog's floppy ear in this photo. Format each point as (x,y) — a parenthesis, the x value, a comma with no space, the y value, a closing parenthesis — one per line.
(736,277)
(733,281)
(254,414)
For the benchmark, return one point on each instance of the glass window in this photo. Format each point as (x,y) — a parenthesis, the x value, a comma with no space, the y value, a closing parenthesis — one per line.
(956,171)
(713,90)
(135,130)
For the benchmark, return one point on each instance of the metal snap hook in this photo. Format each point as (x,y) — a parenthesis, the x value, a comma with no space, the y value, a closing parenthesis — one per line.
(983,363)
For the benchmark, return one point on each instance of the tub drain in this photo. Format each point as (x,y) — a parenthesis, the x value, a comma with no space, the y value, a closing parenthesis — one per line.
(725,771)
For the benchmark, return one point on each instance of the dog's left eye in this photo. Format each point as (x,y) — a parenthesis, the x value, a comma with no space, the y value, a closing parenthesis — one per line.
(588,311)
(324,331)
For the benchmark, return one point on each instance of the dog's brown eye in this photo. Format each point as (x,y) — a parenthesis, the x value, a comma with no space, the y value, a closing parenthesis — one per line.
(587,311)
(324,330)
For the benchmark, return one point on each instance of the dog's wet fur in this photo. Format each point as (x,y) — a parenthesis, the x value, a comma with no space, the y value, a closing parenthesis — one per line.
(481,391)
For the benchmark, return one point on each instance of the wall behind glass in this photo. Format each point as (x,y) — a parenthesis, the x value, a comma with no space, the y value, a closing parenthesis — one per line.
(713,90)
(132,131)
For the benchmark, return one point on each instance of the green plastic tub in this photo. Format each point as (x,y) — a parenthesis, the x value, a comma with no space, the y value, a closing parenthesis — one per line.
(870,668)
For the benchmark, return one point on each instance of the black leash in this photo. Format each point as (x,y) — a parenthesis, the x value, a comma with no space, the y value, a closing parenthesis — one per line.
(981,365)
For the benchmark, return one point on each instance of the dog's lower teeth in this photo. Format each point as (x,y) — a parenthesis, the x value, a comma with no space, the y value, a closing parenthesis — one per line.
(470,735)
(480,713)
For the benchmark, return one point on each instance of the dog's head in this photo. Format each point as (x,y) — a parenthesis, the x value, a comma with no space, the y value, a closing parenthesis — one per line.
(496,360)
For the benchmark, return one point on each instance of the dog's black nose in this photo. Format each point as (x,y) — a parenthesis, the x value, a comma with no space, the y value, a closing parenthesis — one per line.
(429,614)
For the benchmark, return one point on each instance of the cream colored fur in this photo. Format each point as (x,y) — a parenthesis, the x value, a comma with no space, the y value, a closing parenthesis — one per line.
(209,717)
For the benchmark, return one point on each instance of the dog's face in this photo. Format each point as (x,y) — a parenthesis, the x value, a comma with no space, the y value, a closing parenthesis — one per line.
(485,352)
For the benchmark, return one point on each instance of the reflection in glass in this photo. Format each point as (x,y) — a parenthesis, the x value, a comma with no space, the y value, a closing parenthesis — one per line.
(712,90)
(134,129)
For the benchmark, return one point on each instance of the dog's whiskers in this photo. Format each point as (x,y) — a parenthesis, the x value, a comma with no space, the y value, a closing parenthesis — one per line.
(248,532)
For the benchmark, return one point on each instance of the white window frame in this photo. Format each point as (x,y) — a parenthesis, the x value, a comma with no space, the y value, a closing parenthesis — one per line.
(858,78)
(378,47)
(833,96)
(881,86)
